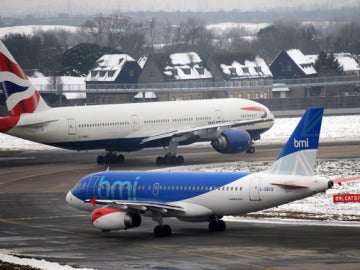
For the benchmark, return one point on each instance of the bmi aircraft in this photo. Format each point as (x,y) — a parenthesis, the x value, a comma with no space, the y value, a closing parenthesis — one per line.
(119,199)
(231,125)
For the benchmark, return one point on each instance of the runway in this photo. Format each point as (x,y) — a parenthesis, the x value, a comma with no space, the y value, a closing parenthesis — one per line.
(36,222)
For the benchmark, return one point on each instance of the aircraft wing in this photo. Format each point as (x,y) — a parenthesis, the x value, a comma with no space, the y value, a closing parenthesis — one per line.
(194,131)
(138,206)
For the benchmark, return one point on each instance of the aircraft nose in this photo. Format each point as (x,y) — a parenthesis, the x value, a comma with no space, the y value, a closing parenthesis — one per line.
(70,198)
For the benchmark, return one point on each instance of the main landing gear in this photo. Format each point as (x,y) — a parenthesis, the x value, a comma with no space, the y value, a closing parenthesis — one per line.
(170,158)
(161,230)
(217,225)
(110,158)
(251,149)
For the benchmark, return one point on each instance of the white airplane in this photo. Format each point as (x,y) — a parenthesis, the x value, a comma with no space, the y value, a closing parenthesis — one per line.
(118,199)
(230,124)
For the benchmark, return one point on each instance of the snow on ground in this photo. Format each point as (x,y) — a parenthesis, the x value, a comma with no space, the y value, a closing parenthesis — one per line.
(6,256)
(31,29)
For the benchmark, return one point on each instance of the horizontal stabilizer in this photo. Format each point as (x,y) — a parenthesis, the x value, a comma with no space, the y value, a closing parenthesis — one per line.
(349,179)
(291,184)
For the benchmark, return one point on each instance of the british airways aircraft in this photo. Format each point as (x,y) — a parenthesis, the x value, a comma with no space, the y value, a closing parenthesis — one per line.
(118,199)
(230,124)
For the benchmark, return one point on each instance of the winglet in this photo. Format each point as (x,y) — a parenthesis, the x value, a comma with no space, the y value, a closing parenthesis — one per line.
(298,156)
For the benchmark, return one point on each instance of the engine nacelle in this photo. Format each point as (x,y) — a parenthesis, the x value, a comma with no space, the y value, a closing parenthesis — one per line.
(232,141)
(114,219)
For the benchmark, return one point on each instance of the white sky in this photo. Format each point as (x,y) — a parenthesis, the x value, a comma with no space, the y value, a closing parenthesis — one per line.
(95,6)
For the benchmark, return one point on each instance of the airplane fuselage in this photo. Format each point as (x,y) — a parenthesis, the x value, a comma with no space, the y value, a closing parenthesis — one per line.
(199,194)
(123,127)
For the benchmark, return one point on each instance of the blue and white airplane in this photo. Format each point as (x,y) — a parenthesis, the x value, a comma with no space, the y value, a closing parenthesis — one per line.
(118,199)
(230,124)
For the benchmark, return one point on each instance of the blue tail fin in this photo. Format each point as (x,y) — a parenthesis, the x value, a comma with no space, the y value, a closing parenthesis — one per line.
(299,153)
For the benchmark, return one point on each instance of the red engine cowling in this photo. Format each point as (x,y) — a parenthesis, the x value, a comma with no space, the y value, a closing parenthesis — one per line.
(107,219)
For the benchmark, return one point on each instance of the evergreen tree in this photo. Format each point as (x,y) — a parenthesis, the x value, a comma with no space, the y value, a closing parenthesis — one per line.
(327,65)
(78,60)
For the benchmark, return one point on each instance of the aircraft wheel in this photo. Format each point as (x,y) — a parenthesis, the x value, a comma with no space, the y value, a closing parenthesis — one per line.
(217,226)
(167,230)
(221,225)
(213,226)
(100,159)
(179,160)
(161,231)
(251,150)
(159,160)
(120,159)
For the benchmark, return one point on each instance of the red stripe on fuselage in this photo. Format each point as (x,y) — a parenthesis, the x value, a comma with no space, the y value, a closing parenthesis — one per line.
(7,65)
(258,109)
(8,122)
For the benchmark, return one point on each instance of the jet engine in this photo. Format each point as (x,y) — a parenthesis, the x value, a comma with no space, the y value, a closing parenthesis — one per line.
(107,219)
(232,141)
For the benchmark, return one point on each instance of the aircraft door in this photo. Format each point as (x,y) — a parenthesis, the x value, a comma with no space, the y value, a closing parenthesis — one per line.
(71,126)
(136,122)
(254,189)
(156,189)
(219,116)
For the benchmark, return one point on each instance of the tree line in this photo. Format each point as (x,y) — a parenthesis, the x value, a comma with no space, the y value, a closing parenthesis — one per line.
(68,53)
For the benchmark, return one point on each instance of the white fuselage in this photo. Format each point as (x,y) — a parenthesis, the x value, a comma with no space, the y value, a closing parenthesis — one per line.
(87,127)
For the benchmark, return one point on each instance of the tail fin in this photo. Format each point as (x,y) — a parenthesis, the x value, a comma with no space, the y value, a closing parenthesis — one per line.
(299,153)
(21,96)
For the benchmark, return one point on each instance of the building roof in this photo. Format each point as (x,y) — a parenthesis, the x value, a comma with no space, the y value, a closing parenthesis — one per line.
(304,62)
(185,66)
(108,67)
(246,68)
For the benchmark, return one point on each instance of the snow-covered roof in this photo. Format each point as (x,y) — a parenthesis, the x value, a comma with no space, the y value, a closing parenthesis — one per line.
(248,69)
(148,95)
(142,61)
(108,67)
(302,61)
(186,66)
(347,62)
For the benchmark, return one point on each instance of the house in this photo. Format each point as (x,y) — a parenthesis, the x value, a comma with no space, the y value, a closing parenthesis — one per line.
(244,71)
(293,64)
(172,70)
(112,70)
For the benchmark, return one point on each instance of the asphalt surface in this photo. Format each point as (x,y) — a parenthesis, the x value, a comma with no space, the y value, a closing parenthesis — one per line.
(36,222)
